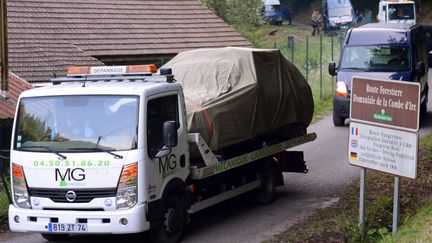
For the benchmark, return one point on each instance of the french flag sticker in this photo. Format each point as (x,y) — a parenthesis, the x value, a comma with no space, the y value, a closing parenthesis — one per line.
(354,131)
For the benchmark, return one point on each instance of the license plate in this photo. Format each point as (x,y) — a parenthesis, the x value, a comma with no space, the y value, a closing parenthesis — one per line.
(59,227)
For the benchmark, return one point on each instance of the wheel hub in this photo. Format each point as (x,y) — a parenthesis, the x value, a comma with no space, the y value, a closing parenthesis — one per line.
(171,222)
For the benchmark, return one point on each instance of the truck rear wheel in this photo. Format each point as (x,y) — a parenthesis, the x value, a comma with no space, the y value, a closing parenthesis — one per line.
(266,192)
(171,230)
(55,237)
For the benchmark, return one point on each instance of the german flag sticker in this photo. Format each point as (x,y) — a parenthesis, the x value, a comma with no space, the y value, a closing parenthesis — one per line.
(353,156)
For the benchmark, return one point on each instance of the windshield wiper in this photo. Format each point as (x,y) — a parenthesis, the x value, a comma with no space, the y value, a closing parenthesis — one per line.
(117,156)
(63,157)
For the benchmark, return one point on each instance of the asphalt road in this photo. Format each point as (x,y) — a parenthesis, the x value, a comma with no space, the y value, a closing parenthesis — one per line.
(240,221)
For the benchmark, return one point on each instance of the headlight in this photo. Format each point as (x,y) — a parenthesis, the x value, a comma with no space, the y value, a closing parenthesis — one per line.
(20,192)
(127,187)
(341,89)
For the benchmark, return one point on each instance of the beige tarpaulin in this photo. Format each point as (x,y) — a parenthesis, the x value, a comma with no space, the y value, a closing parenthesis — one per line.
(234,94)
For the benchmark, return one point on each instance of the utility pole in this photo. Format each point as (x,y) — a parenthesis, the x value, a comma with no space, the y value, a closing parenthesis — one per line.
(4,91)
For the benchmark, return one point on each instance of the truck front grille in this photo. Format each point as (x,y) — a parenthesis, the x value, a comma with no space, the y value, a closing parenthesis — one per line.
(82,196)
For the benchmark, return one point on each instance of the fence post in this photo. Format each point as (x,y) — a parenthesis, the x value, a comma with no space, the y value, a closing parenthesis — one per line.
(291,45)
(307,58)
(320,57)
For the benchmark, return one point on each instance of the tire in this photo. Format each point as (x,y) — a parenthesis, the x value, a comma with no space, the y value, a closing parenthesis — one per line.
(423,108)
(338,121)
(55,237)
(171,230)
(266,192)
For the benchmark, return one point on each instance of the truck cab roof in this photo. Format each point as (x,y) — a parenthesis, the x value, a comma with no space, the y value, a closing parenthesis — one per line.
(379,33)
(386,26)
(104,87)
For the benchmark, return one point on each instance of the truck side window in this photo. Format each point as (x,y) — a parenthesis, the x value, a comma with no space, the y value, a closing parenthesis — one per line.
(160,110)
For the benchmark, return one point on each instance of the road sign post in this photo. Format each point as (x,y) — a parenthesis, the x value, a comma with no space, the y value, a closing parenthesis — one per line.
(383,133)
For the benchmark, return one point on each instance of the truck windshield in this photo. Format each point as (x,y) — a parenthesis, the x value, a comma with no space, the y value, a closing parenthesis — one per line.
(376,58)
(77,123)
(337,8)
(401,11)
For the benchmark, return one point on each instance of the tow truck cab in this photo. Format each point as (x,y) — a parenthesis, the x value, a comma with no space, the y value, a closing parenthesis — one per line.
(91,156)
(397,11)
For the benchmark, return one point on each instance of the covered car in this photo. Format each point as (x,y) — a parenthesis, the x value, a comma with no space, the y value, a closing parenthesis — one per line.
(236,94)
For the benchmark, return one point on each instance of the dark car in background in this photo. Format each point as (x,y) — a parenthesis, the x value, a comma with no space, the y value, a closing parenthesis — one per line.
(273,13)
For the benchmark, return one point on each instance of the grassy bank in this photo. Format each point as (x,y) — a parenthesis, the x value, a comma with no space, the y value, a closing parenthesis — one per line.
(4,205)
(4,200)
(339,222)
(417,228)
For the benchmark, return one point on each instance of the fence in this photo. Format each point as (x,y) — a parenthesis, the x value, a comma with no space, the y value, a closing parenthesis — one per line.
(311,54)
(5,196)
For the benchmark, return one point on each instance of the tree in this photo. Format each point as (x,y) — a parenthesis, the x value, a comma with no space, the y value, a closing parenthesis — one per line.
(238,13)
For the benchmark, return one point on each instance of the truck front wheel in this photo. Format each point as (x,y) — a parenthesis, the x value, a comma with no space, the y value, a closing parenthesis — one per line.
(337,120)
(171,229)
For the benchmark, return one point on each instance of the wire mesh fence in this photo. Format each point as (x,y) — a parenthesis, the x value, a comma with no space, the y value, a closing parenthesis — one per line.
(5,196)
(311,54)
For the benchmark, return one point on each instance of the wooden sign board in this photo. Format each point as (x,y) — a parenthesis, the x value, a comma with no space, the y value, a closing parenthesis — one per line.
(389,103)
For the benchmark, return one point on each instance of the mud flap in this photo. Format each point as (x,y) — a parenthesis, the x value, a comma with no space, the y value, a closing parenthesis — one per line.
(291,161)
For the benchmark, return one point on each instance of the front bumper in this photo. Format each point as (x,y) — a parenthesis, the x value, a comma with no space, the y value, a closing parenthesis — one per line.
(98,222)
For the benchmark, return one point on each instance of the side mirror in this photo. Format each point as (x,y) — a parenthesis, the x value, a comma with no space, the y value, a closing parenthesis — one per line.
(332,69)
(420,69)
(170,134)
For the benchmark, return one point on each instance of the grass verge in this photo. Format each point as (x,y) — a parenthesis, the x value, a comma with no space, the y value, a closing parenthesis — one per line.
(339,222)
(4,205)
(418,228)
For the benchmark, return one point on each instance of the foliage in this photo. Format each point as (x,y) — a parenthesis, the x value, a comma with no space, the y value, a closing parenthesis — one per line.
(239,13)
(34,129)
(415,229)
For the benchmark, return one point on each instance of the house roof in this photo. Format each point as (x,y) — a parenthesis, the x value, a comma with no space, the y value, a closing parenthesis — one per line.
(46,36)
(16,86)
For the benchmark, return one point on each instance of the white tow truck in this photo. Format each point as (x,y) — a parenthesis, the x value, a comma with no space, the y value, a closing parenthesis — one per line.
(106,150)
(397,11)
